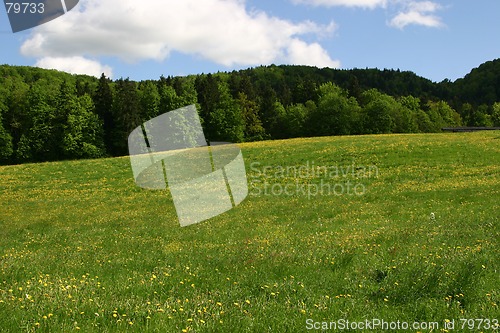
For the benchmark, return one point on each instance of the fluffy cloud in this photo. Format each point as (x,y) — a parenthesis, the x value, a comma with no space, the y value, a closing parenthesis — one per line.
(300,52)
(75,65)
(419,13)
(222,31)
(344,3)
(408,11)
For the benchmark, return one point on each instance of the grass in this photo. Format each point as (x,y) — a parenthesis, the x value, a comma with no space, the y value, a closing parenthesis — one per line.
(84,249)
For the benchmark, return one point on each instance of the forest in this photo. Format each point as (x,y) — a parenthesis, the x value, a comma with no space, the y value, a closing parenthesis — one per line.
(46,115)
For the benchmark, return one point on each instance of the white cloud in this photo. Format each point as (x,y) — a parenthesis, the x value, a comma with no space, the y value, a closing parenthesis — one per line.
(302,53)
(345,3)
(414,17)
(75,65)
(418,13)
(222,31)
(423,6)
(408,11)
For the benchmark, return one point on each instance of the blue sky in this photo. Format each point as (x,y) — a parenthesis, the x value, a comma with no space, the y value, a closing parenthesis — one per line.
(436,39)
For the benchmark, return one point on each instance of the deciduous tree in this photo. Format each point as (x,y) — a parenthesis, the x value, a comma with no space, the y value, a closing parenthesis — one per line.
(335,114)
(82,136)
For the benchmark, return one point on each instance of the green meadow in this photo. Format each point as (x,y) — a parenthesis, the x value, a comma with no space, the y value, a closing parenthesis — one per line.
(389,227)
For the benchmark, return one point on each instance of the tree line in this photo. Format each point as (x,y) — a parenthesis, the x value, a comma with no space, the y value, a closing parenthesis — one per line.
(47,115)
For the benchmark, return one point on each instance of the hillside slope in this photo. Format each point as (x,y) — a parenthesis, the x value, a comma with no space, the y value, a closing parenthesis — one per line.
(414,239)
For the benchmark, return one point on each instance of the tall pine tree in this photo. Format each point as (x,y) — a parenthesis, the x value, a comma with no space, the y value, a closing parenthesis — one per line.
(103,103)
(126,115)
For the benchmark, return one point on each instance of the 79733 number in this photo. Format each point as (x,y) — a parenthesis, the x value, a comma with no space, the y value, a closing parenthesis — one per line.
(25,7)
